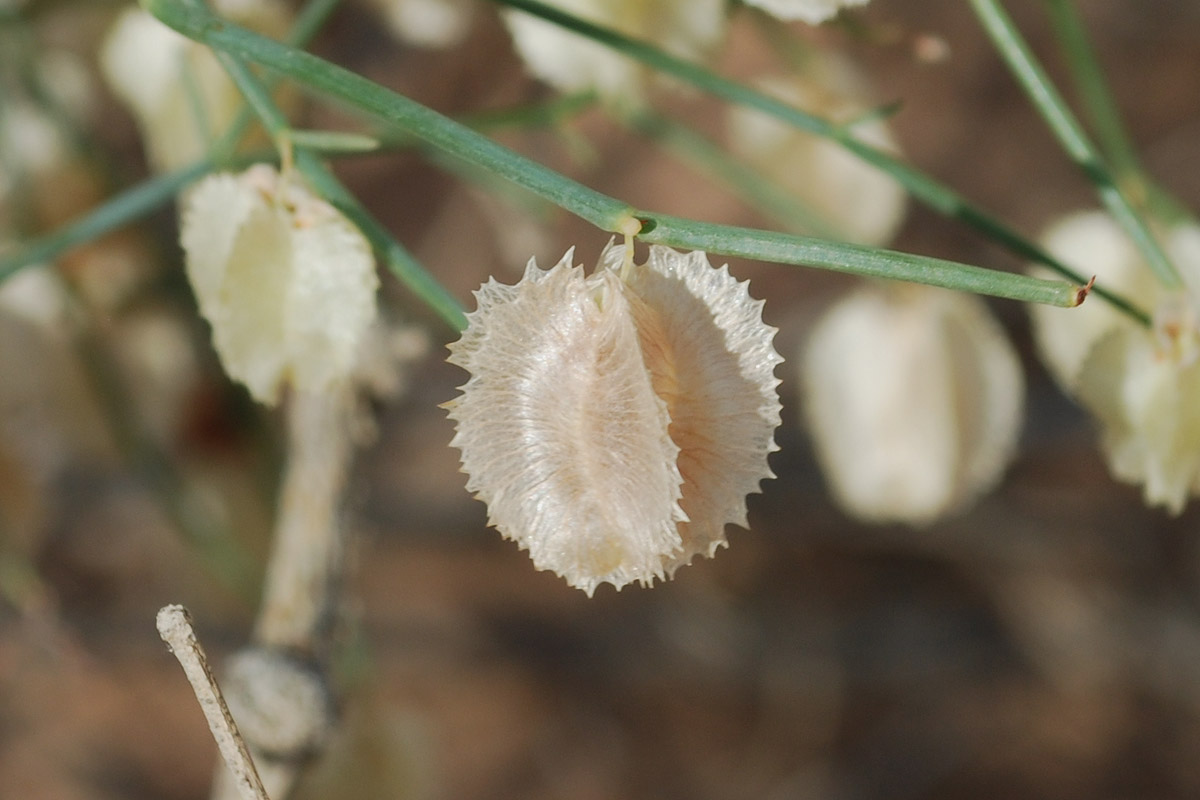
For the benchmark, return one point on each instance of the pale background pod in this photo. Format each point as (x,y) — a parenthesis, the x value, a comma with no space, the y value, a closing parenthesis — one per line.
(427,23)
(853,198)
(913,398)
(1094,243)
(1141,384)
(1148,408)
(810,11)
(685,28)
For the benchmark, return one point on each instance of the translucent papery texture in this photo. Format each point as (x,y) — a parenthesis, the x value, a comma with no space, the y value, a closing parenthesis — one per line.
(913,398)
(711,360)
(686,28)
(1142,384)
(615,426)
(287,283)
(1149,412)
(810,11)
(848,196)
(561,432)
(178,92)
(427,23)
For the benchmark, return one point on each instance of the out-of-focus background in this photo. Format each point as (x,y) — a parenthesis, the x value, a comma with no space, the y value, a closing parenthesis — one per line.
(1045,644)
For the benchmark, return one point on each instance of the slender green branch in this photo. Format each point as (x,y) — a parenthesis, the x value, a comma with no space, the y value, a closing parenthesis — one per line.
(399,261)
(549,113)
(1032,77)
(309,21)
(605,212)
(306,25)
(334,142)
(197,110)
(424,123)
(856,259)
(552,114)
(744,242)
(922,187)
(117,211)
(1102,109)
(1093,90)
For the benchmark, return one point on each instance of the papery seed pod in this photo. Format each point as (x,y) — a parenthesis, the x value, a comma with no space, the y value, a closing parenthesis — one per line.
(614,427)
(712,361)
(1141,383)
(913,398)
(810,11)
(572,63)
(1147,402)
(287,283)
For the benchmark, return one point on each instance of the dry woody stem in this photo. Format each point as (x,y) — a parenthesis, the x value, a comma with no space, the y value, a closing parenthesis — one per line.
(175,627)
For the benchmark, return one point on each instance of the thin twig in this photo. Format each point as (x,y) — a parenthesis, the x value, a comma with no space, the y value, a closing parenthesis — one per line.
(175,628)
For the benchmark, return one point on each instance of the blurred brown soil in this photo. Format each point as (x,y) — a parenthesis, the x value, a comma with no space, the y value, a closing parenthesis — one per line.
(1044,645)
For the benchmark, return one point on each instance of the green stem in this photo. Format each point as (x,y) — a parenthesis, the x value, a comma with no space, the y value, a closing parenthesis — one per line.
(1102,109)
(922,187)
(551,114)
(309,21)
(424,123)
(855,259)
(306,25)
(399,261)
(197,109)
(604,212)
(117,211)
(1093,91)
(1032,77)
(547,114)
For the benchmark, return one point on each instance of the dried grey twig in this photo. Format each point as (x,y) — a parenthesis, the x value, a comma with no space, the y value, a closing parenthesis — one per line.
(175,628)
